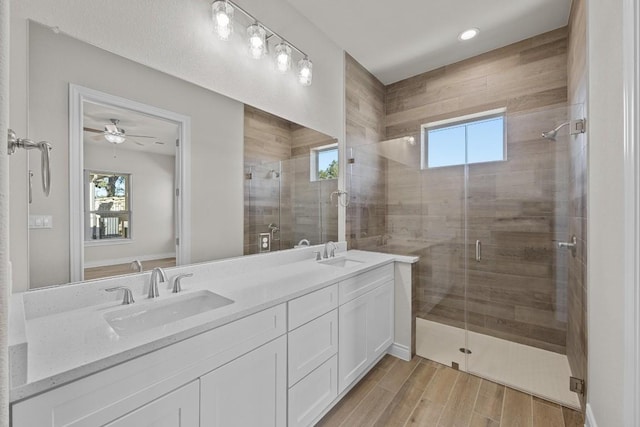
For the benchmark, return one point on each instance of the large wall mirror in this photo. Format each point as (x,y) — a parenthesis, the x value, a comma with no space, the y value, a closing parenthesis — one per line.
(238,170)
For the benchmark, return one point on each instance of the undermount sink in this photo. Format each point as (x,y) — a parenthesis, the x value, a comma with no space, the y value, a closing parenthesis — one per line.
(135,319)
(341,262)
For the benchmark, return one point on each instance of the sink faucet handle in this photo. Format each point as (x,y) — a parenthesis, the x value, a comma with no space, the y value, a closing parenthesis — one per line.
(176,282)
(318,256)
(128,295)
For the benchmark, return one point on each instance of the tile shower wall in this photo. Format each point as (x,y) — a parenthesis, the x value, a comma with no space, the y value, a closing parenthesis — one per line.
(577,286)
(366,178)
(517,207)
(280,190)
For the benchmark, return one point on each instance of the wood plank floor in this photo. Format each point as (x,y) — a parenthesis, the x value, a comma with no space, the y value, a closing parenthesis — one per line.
(426,393)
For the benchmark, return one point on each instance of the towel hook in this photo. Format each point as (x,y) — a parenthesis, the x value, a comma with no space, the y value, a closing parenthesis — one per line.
(14,142)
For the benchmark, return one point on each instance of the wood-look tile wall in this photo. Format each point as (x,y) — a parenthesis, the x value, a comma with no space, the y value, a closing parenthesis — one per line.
(299,207)
(516,208)
(365,117)
(577,280)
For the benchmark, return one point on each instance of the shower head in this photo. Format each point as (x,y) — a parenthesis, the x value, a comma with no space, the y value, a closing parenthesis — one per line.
(576,127)
(551,135)
(274,173)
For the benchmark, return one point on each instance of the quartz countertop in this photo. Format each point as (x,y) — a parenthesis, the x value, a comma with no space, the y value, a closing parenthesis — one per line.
(66,342)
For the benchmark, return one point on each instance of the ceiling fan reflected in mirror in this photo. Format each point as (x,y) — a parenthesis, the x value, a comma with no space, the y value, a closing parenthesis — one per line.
(117,135)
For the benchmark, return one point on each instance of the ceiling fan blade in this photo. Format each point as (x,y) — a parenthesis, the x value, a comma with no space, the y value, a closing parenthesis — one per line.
(141,136)
(92,130)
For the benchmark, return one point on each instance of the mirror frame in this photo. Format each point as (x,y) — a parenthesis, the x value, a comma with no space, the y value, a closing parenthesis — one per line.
(78,95)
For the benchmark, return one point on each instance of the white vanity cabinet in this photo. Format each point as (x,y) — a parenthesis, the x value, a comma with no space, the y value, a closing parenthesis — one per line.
(163,380)
(313,346)
(248,391)
(366,322)
(176,409)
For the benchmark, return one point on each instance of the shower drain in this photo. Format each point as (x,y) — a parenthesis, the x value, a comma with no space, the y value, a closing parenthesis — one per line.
(465,350)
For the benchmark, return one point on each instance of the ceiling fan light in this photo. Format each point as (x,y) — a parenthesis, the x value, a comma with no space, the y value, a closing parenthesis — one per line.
(115,138)
(257,40)
(222,19)
(283,57)
(305,71)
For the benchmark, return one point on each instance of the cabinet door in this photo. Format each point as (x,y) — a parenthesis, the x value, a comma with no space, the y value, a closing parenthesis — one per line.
(380,320)
(249,391)
(352,341)
(176,409)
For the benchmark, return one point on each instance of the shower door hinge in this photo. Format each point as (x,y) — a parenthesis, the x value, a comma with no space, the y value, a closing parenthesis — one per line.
(576,385)
(248,176)
(177,192)
(578,126)
(351,161)
(177,143)
(177,241)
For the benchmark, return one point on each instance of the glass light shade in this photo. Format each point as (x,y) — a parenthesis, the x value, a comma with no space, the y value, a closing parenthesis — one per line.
(114,138)
(283,57)
(222,19)
(305,71)
(257,41)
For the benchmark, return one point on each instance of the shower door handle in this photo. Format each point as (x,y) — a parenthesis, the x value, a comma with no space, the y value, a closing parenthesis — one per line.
(478,251)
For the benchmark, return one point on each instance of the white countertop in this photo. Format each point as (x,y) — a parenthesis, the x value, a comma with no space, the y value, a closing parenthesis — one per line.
(66,342)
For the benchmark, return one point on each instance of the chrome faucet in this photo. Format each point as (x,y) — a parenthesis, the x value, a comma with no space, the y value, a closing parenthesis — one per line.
(153,283)
(177,287)
(304,242)
(333,250)
(136,265)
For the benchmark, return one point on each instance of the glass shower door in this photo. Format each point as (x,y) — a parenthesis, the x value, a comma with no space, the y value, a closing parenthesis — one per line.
(517,277)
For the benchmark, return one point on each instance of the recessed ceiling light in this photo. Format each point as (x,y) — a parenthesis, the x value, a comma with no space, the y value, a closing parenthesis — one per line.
(468,34)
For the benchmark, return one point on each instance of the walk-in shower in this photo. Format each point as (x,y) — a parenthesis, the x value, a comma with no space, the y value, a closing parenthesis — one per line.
(512,313)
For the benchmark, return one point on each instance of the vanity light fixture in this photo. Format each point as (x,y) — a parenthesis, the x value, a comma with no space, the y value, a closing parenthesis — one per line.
(468,34)
(259,36)
(222,18)
(305,71)
(283,57)
(257,40)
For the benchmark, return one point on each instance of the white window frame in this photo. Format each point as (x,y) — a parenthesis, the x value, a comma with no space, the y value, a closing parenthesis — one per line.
(314,160)
(89,211)
(461,120)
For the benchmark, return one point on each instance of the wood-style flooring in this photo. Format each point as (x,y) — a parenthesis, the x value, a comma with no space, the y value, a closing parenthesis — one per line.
(426,393)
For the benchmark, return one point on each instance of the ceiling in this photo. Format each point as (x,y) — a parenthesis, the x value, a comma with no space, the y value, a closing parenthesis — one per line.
(163,133)
(402,38)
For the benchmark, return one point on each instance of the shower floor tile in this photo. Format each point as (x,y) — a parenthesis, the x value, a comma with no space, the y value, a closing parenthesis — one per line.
(539,372)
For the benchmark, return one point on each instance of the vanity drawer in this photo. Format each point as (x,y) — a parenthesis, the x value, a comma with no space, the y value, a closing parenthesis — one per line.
(310,306)
(312,344)
(311,396)
(363,283)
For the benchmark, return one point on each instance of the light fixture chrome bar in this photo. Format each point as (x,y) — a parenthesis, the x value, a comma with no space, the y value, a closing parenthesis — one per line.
(273,33)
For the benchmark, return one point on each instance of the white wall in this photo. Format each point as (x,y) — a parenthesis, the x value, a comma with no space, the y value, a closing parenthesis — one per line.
(152,210)
(177,37)
(606,213)
(216,143)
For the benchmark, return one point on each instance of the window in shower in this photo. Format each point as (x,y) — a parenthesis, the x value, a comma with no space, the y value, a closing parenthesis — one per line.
(476,138)
(324,162)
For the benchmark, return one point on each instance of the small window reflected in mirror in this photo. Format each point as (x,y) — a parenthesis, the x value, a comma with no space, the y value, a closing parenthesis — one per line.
(324,162)
(108,210)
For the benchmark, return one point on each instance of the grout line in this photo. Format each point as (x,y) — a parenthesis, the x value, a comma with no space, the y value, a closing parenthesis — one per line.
(532,412)
(426,387)
(361,400)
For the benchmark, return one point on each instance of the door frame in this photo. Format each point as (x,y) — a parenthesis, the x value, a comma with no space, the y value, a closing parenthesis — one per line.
(631,82)
(78,95)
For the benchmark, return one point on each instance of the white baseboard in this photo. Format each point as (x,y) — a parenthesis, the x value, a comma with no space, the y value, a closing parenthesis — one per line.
(116,261)
(400,351)
(589,419)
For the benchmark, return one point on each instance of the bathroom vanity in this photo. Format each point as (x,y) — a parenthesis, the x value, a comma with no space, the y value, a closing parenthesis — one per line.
(296,335)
